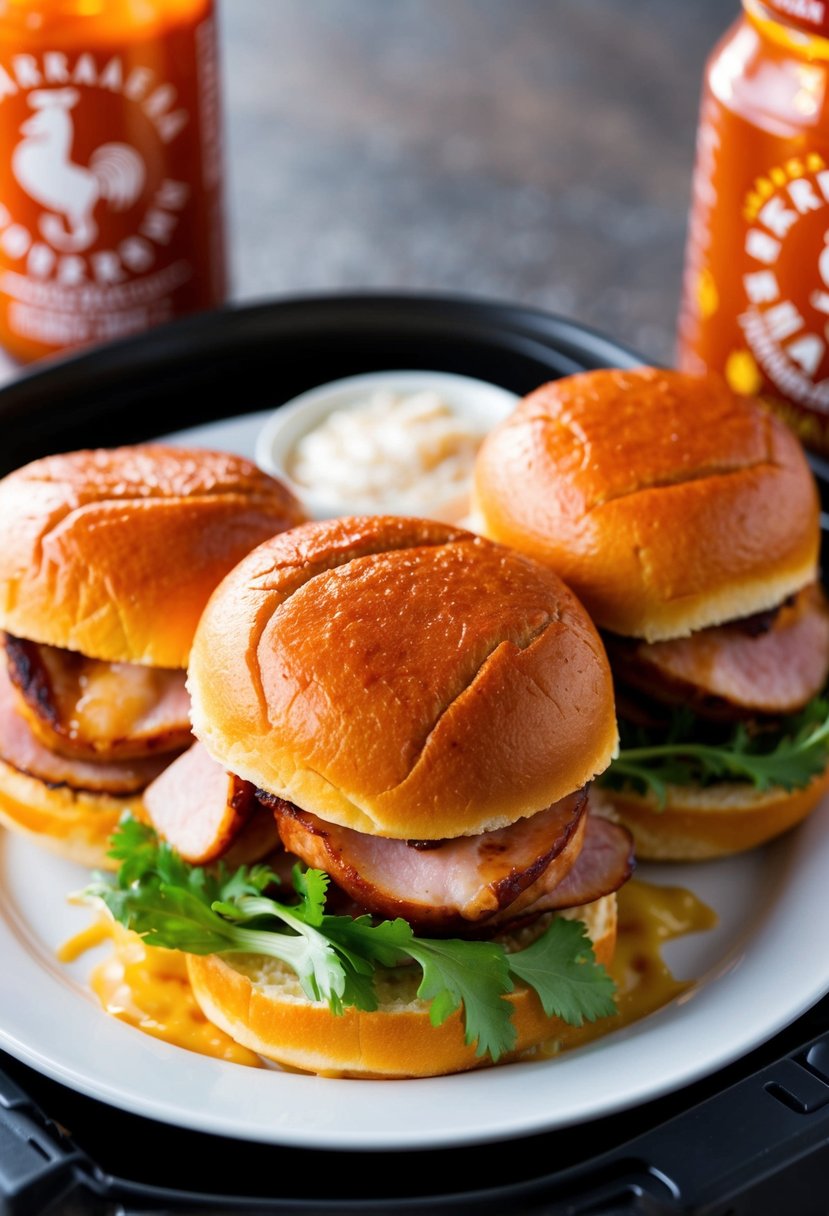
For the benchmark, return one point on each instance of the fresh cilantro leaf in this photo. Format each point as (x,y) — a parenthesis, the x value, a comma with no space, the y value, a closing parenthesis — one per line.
(182,907)
(169,916)
(359,987)
(562,968)
(472,974)
(385,944)
(135,845)
(312,885)
(790,755)
(208,911)
(246,880)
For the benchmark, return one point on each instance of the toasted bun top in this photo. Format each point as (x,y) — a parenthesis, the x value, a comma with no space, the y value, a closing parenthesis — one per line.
(667,502)
(402,678)
(114,552)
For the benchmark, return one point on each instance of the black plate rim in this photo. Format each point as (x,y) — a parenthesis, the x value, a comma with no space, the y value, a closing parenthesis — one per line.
(236,321)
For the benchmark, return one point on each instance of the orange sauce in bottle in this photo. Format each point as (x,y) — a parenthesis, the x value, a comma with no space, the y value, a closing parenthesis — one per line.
(755,303)
(110,170)
(148,987)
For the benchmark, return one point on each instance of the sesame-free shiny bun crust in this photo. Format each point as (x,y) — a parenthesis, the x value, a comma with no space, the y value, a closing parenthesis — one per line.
(667,502)
(114,552)
(402,678)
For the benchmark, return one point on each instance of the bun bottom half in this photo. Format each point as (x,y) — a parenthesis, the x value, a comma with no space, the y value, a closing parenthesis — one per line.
(717,821)
(259,1003)
(75,824)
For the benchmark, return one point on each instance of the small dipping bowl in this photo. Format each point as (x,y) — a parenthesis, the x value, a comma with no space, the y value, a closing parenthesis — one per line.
(477,404)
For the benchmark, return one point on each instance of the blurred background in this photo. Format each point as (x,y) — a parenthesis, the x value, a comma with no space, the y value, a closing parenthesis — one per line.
(538,151)
(533,151)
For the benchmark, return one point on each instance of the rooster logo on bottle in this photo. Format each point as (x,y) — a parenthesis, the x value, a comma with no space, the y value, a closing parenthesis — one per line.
(69,192)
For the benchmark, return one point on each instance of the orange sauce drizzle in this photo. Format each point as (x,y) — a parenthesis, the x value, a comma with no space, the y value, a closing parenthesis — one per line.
(649,916)
(148,987)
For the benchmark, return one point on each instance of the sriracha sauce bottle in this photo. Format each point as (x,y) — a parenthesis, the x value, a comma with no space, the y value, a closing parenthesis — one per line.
(755,301)
(110,169)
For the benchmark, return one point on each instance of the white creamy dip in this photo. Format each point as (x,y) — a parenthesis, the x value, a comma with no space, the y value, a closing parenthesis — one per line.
(406,450)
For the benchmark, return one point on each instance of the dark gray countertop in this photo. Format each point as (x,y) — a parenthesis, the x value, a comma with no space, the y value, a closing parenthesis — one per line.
(538,151)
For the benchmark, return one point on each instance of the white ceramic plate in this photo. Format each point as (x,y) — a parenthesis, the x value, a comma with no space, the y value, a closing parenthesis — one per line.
(765,963)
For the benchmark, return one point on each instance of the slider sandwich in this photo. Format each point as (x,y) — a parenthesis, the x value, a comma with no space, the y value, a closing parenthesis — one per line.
(422,712)
(107,559)
(686,519)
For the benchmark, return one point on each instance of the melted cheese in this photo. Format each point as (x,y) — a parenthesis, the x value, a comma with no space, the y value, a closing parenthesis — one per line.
(113,696)
(148,987)
(101,703)
(649,916)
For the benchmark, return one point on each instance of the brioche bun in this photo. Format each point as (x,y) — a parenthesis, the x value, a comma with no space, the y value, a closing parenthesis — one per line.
(114,552)
(258,1001)
(666,501)
(401,678)
(697,824)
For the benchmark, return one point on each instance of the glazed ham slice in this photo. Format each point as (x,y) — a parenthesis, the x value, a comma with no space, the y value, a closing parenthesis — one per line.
(199,808)
(771,666)
(20,748)
(605,863)
(445,885)
(112,711)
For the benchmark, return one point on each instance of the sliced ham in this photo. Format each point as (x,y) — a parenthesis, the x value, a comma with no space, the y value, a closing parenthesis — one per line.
(605,863)
(83,707)
(197,806)
(445,885)
(257,840)
(21,748)
(773,667)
